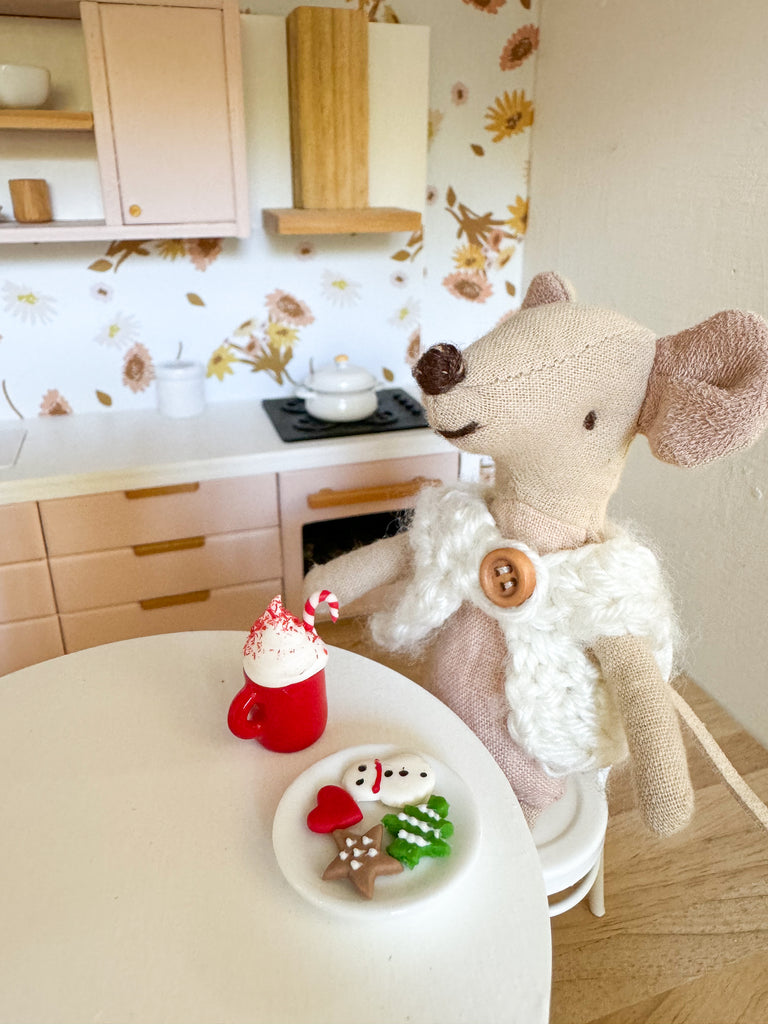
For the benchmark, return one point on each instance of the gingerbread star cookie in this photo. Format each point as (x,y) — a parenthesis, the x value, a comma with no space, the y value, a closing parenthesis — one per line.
(361,859)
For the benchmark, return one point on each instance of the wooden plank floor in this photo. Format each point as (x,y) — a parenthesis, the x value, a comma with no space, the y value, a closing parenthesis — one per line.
(685,935)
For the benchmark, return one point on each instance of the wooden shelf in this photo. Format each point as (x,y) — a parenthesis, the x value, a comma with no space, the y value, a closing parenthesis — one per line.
(40,8)
(371,220)
(95,230)
(47,120)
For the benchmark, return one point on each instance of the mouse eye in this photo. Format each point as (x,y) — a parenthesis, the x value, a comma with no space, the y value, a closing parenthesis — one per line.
(590,420)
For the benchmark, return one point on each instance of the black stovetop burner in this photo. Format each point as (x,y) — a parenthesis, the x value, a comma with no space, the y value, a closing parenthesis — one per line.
(397,411)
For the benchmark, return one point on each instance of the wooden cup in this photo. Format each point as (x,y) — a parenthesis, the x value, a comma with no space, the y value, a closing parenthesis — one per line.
(31,200)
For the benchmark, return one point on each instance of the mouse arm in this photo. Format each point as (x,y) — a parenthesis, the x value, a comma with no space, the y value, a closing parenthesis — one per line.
(355,573)
(659,762)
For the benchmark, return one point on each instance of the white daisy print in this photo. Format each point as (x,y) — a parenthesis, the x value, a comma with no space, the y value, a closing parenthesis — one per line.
(121,332)
(339,290)
(28,305)
(406,315)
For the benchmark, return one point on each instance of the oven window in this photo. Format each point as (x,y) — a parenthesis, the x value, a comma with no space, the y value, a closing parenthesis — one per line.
(333,537)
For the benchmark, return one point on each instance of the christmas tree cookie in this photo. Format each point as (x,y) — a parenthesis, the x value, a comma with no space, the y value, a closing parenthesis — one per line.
(419,831)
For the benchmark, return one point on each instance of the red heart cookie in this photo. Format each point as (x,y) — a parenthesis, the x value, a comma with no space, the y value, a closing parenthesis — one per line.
(335,809)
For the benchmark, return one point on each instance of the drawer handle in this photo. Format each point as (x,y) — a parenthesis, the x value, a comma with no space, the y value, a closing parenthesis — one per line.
(160,547)
(327,497)
(149,604)
(159,492)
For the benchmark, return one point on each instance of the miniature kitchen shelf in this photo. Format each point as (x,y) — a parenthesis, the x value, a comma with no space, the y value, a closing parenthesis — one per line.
(90,230)
(370,220)
(169,144)
(47,120)
(344,140)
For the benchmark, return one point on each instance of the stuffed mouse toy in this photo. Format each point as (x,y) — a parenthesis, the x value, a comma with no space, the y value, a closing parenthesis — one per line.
(553,632)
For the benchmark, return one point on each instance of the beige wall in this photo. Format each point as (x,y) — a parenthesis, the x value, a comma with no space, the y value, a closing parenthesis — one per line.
(649,190)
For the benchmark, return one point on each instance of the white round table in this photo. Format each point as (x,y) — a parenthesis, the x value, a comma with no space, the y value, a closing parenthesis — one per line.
(139,878)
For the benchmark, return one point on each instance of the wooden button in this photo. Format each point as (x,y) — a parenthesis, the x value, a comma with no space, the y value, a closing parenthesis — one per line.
(135,210)
(508,577)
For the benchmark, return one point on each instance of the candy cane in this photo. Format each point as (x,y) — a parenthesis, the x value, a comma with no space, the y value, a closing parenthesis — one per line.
(311,606)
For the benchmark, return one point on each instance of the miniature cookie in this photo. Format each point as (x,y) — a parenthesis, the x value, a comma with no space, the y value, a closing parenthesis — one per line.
(361,859)
(334,809)
(420,831)
(395,779)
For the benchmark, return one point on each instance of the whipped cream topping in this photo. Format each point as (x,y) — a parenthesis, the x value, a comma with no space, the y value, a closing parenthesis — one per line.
(281,650)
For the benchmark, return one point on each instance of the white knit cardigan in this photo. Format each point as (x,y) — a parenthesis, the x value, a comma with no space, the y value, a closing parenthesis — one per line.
(560,711)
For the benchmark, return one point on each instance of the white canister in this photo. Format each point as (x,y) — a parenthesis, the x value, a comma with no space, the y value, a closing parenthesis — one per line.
(180,388)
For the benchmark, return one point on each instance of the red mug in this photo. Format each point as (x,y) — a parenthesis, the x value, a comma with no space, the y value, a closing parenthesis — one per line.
(281,718)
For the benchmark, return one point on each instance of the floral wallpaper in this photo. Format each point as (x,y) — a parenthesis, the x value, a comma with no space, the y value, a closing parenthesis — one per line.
(83,325)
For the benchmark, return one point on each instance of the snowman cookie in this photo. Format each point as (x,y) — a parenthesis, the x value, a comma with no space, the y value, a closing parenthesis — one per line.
(394,779)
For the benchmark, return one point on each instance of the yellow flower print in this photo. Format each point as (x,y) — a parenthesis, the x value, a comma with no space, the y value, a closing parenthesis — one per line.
(172,248)
(220,362)
(518,222)
(469,257)
(505,255)
(510,116)
(281,334)
(434,120)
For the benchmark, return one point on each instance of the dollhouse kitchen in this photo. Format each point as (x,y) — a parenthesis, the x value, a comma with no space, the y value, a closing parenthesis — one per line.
(228,233)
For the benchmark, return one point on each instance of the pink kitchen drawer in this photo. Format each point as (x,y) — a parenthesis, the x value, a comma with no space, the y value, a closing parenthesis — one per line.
(25,591)
(226,608)
(21,538)
(156,570)
(123,518)
(28,642)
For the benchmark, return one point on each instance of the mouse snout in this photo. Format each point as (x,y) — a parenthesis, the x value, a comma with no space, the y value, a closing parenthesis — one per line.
(439,369)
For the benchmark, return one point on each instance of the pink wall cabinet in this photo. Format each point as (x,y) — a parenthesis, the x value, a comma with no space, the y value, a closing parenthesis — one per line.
(166,84)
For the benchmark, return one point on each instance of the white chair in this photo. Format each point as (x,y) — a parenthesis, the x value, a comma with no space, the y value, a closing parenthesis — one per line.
(569,836)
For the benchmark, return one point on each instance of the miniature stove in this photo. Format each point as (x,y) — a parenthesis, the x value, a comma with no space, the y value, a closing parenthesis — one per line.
(397,410)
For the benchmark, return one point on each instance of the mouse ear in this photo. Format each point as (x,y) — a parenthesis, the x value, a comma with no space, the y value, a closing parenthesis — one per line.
(546,288)
(707,394)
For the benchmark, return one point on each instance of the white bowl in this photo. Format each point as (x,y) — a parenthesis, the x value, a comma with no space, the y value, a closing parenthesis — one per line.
(23,85)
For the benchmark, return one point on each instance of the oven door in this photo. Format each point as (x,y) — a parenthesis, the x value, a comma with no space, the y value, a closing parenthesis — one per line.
(325,512)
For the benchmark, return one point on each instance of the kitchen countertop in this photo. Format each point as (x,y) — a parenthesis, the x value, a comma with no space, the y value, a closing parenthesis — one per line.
(88,453)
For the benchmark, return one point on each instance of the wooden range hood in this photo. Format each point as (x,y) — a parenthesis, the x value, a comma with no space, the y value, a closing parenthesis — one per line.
(329,112)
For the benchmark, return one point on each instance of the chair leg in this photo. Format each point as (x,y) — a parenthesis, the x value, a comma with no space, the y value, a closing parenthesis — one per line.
(596,895)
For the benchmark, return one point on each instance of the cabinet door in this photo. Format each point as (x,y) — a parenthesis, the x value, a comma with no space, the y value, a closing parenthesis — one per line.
(167,96)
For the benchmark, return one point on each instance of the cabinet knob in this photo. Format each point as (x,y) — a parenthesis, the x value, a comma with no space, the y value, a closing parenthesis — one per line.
(135,210)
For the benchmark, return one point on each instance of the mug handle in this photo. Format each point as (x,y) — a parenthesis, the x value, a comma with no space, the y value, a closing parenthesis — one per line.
(240,721)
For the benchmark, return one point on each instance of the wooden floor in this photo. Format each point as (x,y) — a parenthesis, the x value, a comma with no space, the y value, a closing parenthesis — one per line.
(685,935)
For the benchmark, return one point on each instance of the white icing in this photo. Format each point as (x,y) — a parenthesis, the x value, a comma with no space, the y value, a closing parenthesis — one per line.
(355,865)
(411,837)
(280,650)
(372,778)
(343,855)
(422,826)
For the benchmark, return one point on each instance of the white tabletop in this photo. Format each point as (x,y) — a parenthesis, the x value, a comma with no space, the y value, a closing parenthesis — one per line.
(139,881)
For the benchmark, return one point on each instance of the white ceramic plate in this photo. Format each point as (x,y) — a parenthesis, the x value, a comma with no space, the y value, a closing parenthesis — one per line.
(303,855)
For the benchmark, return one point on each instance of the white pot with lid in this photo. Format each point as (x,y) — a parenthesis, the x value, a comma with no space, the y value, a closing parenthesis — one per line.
(340,392)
